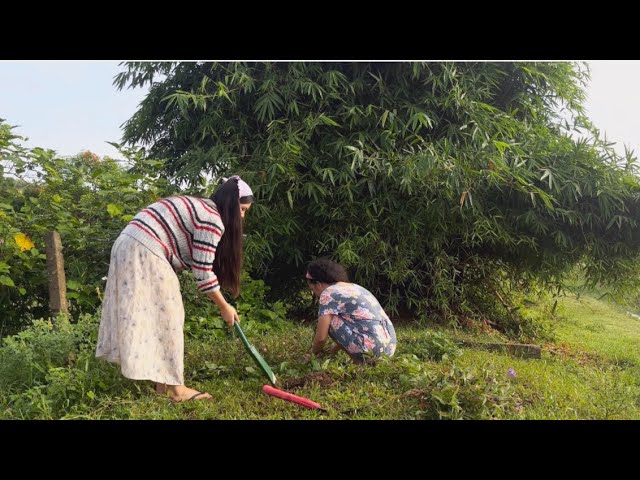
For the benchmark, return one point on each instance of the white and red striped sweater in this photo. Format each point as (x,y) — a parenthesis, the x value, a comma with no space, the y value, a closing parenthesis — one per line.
(184,230)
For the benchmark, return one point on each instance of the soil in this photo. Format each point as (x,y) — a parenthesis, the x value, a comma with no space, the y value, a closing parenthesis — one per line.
(323,379)
(565,351)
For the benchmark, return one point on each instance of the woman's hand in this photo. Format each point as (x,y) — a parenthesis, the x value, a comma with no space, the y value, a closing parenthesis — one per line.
(327,352)
(322,333)
(229,315)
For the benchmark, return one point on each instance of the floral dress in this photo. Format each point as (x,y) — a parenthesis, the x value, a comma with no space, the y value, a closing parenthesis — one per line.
(358,322)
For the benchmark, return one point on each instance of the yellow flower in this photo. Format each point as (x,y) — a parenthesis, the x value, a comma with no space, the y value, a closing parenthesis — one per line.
(23,242)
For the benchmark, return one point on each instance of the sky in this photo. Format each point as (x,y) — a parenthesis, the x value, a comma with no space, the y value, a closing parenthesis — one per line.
(67,106)
(72,106)
(613,101)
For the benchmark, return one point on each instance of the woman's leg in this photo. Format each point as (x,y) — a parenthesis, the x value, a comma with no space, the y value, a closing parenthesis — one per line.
(344,336)
(143,318)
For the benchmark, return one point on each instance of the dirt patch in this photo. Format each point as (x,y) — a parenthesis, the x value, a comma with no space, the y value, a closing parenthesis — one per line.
(323,379)
(565,351)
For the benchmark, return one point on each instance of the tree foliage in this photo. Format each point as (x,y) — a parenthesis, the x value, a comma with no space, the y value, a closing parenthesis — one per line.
(87,199)
(442,186)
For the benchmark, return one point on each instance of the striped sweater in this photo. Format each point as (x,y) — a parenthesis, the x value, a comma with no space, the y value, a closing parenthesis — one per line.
(184,230)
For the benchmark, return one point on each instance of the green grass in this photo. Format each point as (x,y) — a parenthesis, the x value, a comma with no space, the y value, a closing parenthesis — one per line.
(590,371)
(601,328)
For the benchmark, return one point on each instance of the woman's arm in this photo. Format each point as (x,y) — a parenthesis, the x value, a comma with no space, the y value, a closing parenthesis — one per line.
(322,332)
(229,314)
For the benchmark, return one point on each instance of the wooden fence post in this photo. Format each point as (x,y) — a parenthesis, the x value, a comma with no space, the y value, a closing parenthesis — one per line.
(55,273)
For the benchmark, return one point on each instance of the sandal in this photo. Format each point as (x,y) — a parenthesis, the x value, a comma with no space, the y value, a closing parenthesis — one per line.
(193,397)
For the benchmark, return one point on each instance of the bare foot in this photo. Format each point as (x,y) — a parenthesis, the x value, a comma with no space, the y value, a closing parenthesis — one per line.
(181,393)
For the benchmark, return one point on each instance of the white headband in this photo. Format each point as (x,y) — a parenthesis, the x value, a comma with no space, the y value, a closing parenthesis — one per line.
(244,190)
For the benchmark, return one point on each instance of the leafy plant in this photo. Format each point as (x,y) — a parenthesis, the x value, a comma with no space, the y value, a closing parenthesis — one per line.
(457,393)
(202,317)
(444,187)
(88,200)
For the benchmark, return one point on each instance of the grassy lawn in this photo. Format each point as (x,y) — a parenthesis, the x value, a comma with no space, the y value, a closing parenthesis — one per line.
(590,371)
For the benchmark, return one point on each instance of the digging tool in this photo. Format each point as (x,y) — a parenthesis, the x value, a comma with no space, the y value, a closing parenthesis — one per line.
(290,397)
(255,355)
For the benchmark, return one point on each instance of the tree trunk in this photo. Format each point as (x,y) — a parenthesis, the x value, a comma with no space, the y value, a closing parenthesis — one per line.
(55,273)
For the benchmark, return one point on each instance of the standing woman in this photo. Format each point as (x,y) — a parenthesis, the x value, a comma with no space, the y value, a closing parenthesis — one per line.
(349,314)
(142,313)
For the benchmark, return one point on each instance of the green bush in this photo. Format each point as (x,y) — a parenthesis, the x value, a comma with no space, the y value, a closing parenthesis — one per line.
(444,187)
(49,369)
(88,200)
(202,317)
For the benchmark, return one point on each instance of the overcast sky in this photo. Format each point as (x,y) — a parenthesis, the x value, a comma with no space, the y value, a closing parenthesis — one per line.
(71,106)
(613,102)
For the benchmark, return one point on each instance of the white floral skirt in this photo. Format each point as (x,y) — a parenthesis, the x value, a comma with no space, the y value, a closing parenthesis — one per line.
(142,315)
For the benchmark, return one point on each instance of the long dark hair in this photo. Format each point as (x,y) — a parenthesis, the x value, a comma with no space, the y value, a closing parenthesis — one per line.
(228,261)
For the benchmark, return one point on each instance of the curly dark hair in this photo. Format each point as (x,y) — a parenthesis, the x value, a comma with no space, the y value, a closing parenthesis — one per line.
(327,271)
